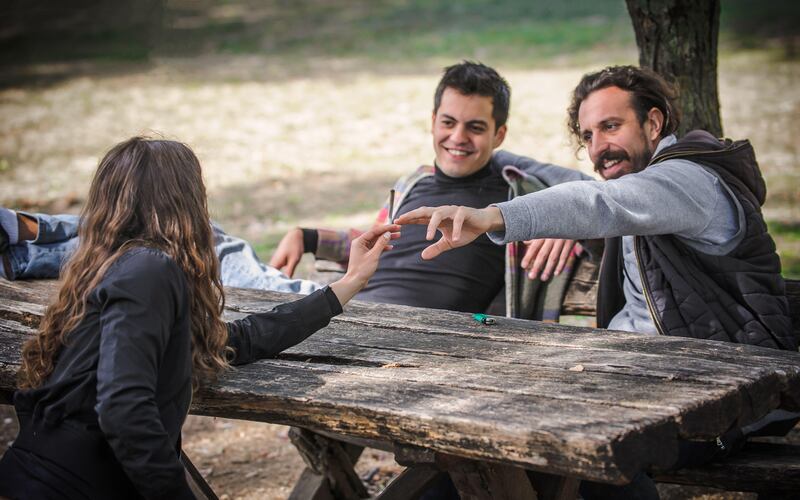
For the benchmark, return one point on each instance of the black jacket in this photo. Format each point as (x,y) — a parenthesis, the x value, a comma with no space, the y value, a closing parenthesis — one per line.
(738,297)
(121,388)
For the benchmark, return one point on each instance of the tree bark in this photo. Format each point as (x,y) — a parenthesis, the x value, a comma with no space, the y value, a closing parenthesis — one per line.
(678,40)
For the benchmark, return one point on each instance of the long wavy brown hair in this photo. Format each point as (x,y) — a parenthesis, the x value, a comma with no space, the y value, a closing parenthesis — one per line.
(145,193)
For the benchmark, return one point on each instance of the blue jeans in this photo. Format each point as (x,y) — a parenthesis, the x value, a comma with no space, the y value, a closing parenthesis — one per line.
(57,239)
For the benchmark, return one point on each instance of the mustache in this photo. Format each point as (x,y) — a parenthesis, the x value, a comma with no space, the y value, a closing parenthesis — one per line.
(610,156)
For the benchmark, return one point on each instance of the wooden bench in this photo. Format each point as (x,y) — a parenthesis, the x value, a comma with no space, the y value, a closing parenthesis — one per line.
(485,404)
(768,466)
(771,469)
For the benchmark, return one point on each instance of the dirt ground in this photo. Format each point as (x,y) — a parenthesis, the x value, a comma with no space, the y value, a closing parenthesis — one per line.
(282,148)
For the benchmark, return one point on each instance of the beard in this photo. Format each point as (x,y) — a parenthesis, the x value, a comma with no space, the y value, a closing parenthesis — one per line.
(638,161)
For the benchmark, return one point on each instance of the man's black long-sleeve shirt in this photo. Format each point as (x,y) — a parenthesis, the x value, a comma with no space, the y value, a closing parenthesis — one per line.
(465,279)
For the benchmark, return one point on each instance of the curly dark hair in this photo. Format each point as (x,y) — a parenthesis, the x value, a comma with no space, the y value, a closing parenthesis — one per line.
(471,78)
(648,90)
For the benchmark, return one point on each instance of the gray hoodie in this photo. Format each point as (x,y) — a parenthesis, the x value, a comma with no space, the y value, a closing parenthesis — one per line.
(676,197)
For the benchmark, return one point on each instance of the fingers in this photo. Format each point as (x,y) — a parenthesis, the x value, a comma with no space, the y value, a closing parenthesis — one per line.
(277,260)
(540,259)
(532,249)
(381,243)
(458,222)
(371,238)
(290,267)
(548,256)
(284,262)
(433,225)
(417,216)
(552,259)
(432,216)
(566,257)
(436,249)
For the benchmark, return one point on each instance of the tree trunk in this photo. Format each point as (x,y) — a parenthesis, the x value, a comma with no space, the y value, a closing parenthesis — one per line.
(678,40)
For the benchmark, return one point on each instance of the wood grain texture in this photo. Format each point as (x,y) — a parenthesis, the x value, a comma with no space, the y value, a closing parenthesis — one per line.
(581,402)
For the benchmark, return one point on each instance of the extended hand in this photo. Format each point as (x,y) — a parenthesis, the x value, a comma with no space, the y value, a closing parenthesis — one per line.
(289,252)
(364,254)
(551,256)
(458,225)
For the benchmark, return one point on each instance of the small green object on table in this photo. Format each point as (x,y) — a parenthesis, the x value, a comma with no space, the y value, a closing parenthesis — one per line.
(483,318)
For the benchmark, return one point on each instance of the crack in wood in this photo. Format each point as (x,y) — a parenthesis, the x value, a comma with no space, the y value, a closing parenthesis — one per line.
(28,319)
(338,361)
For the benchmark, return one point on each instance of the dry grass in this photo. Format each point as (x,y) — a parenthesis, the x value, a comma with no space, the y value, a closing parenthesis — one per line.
(322,148)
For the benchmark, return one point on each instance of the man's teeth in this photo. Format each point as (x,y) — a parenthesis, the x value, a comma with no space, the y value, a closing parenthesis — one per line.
(610,163)
(457,152)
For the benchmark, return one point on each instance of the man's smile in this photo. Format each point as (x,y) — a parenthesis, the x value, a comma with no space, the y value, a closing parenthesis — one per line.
(610,162)
(457,151)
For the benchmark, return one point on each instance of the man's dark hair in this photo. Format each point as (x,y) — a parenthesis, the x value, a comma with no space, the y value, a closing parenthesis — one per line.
(471,78)
(648,90)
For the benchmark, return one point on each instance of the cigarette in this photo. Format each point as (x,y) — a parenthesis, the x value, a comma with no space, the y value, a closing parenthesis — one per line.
(391,204)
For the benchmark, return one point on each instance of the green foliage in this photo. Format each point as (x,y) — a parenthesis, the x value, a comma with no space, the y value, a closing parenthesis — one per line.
(787,230)
(522,30)
(394,30)
(787,239)
(752,20)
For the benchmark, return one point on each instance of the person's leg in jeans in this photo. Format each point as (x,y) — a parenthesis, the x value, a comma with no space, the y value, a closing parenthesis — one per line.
(241,267)
(43,256)
(57,240)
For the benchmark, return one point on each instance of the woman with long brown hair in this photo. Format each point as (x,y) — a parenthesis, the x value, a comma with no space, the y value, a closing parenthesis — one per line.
(106,384)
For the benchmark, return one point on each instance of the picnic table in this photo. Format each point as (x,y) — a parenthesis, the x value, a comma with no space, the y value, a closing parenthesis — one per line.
(508,409)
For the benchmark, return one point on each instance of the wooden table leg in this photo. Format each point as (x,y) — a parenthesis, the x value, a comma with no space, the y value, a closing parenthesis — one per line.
(550,487)
(410,484)
(197,483)
(484,481)
(330,472)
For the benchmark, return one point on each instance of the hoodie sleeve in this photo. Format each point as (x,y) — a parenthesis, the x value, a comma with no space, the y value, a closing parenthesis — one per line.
(678,197)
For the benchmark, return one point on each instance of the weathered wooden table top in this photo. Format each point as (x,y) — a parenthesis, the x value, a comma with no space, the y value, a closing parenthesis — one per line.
(573,401)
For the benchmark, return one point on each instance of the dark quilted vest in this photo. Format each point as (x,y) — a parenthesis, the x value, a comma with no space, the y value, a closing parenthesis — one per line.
(738,297)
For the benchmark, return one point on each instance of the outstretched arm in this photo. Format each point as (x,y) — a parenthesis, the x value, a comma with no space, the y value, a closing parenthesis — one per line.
(266,334)
(459,225)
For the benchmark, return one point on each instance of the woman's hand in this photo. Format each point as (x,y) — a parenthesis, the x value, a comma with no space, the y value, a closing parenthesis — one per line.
(364,254)
(459,225)
(551,256)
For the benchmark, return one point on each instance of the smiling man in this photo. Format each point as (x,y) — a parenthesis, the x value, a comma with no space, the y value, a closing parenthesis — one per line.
(687,250)
(470,110)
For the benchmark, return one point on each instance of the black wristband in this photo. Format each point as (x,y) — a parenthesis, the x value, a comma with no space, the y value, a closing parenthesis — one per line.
(310,240)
